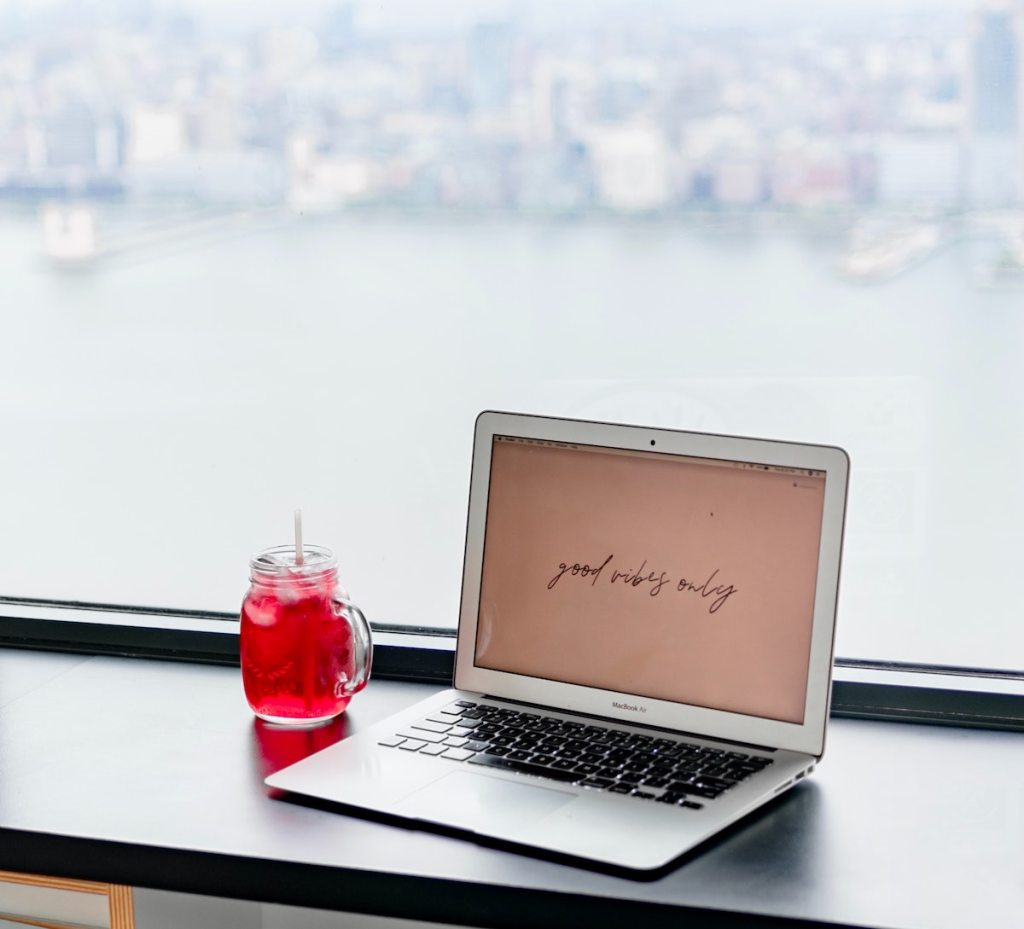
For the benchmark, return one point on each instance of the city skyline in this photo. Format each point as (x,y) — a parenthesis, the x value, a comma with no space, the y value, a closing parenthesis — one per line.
(156,103)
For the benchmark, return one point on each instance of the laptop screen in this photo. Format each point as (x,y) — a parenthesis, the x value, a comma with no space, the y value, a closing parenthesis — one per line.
(656,575)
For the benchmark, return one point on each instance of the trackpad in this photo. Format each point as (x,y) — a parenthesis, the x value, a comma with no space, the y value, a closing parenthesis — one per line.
(482,803)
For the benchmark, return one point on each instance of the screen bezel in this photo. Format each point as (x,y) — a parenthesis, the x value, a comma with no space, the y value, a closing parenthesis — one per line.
(808,736)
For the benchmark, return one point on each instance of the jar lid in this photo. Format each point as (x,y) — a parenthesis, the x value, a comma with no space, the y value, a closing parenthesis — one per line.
(280,561)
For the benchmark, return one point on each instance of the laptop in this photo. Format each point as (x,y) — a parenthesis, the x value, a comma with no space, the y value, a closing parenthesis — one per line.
(644,646)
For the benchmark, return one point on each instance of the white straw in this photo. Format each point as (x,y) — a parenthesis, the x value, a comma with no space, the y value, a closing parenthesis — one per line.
(298,537)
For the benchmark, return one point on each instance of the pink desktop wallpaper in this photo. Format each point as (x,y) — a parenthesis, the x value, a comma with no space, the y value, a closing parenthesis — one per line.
(689,582)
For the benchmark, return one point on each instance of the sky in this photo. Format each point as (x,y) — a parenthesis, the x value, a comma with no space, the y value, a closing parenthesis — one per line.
(420,18)
(396,12)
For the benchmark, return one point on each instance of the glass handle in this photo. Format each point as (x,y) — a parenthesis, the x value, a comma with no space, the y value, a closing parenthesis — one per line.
(362,644)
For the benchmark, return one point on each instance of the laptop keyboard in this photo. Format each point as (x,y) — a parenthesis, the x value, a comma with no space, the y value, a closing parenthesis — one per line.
(597,757)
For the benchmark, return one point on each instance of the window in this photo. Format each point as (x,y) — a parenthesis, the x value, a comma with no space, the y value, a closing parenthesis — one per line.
(265,256)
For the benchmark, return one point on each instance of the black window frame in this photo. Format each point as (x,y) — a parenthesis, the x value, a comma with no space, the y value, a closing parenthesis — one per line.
(862,689)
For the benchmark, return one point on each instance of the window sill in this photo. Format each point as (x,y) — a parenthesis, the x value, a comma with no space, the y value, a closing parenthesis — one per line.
(861,690)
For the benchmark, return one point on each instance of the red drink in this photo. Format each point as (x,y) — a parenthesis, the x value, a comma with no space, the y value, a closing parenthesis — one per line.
(305,649)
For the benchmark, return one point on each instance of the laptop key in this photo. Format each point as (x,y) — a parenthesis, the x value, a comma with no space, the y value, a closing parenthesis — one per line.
(714,783)
(475,746)
(455,741)
(458,754)
(527,739)
(391,741)
(415,734)
(524,767)
(715,770)
(429,726)
(498,750)
(468,704)
(681,787)
(599,783)
(433,749)
(412,745)
(620,788)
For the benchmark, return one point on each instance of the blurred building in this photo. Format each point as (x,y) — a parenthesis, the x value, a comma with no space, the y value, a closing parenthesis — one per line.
(558,180)
(71,138)
(724,161)
(490,65)
(917,169)
(321,182)
(562,99)
(993,147)
(156,134)
(632,167)
(810,171)
(338,34)
(74,147)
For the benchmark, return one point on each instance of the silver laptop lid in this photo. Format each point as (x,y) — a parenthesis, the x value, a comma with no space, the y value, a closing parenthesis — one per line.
(671,578)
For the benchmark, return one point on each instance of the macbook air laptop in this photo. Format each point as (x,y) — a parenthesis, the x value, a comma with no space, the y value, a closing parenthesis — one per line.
(644,647)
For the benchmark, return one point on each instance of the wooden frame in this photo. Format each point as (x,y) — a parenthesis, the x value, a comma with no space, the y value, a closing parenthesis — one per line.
(119,897)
